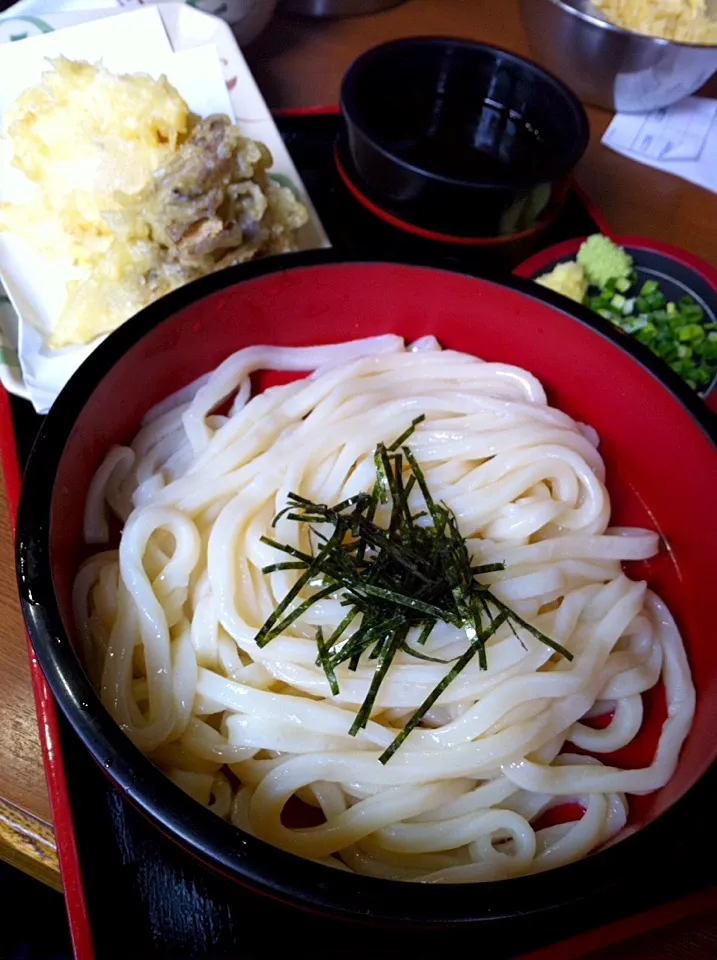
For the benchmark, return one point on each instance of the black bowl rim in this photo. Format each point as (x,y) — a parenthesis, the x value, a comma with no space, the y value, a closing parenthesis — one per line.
(247,860)
(566,162)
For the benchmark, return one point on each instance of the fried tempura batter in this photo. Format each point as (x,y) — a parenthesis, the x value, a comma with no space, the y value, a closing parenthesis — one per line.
(213,205)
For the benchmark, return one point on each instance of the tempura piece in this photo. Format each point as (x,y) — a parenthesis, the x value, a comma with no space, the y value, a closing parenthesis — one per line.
(82,135)
(213,205)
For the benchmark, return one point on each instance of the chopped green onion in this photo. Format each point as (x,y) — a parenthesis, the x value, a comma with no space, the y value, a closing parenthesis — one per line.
(691,331)
(677,332)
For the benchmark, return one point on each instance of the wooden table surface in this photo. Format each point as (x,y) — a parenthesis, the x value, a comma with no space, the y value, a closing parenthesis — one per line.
(300,62)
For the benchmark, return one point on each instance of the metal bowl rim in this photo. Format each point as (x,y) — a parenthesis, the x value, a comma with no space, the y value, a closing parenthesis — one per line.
(614,28)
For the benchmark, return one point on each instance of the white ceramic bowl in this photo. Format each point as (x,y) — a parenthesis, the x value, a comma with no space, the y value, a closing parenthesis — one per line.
(247,18)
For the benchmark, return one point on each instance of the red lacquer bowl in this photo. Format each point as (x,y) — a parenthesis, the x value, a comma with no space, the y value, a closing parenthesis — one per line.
(658,441)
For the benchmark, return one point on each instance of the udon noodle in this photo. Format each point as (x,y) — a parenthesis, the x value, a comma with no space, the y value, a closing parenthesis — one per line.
(168,620)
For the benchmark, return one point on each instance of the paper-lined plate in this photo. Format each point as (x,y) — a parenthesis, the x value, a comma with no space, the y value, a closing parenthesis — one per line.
(247,18)
(157,32)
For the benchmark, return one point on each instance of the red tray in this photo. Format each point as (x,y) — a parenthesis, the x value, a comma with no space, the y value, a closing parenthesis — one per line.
(60,796)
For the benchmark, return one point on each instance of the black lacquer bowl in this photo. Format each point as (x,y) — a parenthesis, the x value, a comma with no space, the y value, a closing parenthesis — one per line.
(461,138)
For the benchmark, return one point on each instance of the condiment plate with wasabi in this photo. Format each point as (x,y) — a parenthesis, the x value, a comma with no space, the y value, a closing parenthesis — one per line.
(663,296)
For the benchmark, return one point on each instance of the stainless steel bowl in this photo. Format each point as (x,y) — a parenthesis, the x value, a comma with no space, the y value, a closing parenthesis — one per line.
(611,67)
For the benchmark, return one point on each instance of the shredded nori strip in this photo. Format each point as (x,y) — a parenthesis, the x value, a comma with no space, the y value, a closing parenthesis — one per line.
(408,576)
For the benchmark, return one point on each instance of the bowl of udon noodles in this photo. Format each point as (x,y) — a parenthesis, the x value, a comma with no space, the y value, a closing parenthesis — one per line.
(382,588)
